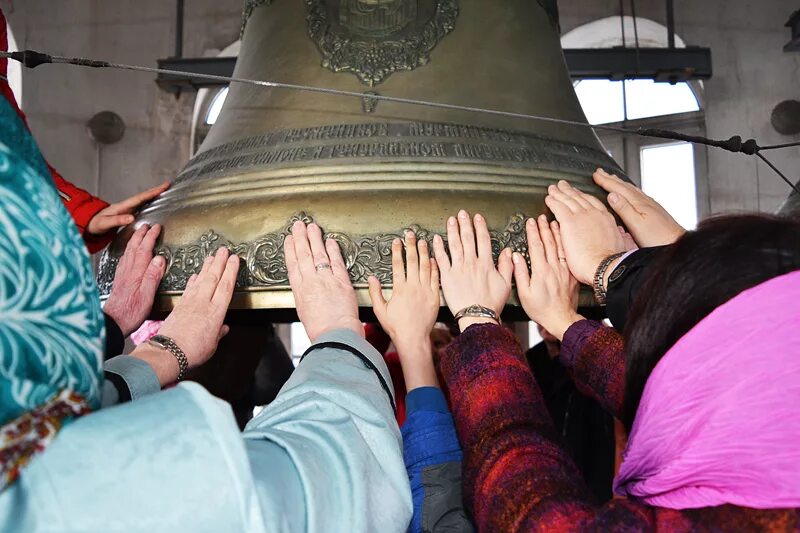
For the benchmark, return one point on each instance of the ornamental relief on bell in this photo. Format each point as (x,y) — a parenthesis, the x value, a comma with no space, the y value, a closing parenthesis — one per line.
(375,38)
(263,263)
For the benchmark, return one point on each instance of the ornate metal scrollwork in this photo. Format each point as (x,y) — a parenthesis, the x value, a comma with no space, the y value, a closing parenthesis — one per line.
(249,7)
(263,262)
(375,39)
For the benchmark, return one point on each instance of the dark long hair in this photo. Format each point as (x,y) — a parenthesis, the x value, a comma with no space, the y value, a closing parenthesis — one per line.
(701,271)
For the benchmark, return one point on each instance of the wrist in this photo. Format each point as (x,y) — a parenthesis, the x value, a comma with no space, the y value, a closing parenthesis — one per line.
(558,326)
(418,371)
(111,311)
(602,272)
(351,323)
(163,363)
(612,266)
(476,314)
(412,346)
(468,321)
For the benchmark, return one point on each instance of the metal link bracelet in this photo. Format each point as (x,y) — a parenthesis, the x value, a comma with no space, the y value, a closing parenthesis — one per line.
(597,283)
(477,311)
(166,343)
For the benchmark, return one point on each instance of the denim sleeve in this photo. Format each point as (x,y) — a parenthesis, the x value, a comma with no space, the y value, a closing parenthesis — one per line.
(127,378)
(433,458)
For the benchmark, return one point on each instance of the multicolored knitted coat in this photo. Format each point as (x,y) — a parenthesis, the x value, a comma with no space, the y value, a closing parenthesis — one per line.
(517,475)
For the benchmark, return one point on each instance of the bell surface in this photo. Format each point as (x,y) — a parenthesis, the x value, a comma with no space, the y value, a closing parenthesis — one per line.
(366,170)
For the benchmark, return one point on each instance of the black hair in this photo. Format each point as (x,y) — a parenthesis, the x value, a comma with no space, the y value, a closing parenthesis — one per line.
(701,271)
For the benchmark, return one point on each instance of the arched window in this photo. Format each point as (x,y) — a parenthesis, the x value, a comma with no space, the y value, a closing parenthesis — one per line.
(672,173)
(14,68)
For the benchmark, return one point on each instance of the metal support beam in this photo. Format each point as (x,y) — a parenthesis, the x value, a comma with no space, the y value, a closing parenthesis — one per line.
(218,66)
(671,23)
(179,28)
(794,24)
(660,64)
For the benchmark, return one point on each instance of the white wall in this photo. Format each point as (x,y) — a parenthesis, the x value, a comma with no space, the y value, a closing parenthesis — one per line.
(59,99)
(751,75)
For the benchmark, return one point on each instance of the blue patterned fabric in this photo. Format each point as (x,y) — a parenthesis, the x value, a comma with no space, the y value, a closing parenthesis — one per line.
(51,324)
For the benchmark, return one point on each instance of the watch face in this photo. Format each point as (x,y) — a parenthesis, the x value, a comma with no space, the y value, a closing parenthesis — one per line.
(159,340)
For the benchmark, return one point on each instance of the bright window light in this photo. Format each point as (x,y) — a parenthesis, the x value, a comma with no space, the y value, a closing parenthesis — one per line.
(668,177)
(300,341)
(603,102)
(533,335)
(216,107)
(14,70)
(647,98)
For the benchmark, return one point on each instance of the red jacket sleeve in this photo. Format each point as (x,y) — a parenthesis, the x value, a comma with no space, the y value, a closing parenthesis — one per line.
(83,207)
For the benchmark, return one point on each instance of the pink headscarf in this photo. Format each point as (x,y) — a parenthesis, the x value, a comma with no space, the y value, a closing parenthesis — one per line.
(719,419)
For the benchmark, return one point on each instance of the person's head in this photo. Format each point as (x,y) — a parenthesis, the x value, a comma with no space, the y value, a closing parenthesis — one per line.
(701,271)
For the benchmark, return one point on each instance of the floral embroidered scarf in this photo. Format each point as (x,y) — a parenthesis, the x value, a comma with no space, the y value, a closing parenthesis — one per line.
(51,325)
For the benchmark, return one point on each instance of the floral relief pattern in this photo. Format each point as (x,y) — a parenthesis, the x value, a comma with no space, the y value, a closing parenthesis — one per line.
(374,60)
(263,262)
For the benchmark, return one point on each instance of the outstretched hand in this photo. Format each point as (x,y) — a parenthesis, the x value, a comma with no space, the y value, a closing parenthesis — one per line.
(121,213)
(323,293)
(136,280)
(588,229)
(469,276)
(196,323)
(648,222)
(409,316)
(549,292)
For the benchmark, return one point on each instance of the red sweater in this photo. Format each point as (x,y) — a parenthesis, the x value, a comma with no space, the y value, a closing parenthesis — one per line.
(517,475)
(80,204)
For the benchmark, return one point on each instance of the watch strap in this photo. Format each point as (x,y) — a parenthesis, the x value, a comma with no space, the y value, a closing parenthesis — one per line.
(477,311)
(167,343)
(597,283)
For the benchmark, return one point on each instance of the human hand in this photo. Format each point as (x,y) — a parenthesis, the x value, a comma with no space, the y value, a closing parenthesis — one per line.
(549,293)
(630,244)
(648,222)
(136,280)
(323,293)
(588,230)
(196,322)
(121,213)
(469,276)
(409,316)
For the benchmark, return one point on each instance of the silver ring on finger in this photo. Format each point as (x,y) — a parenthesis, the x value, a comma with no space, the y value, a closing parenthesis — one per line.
(562,259)
(319,267)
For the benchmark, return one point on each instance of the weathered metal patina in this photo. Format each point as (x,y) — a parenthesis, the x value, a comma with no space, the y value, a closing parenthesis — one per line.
(364,169)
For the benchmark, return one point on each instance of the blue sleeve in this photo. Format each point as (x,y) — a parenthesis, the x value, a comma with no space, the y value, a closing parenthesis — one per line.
(433,458)
(334,420)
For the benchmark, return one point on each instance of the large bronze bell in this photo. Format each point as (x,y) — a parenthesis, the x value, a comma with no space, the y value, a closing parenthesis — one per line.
(363,169)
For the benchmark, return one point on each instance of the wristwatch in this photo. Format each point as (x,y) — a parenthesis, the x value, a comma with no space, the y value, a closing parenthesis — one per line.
(166,343)
(477,311)
(597,282)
